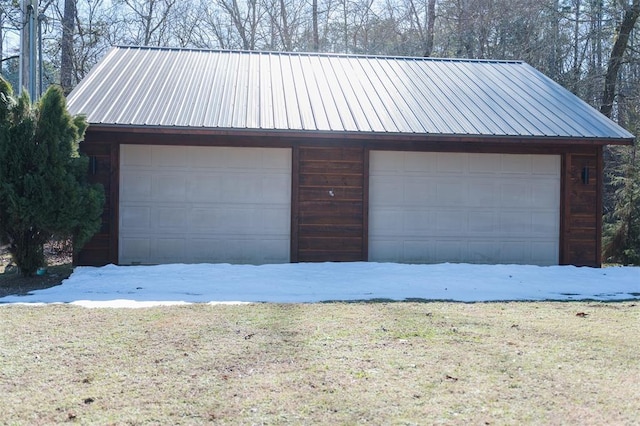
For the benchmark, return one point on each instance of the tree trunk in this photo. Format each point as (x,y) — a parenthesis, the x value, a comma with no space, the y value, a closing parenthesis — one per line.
(285,33)
(3,16)
(66,46)
(576,50)
(431,17)
(316,37)
(345,26)
(623,32)
(556,52)
(147,24)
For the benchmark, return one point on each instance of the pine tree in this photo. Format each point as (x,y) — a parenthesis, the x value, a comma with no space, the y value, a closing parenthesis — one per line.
(43,186)
(622,227)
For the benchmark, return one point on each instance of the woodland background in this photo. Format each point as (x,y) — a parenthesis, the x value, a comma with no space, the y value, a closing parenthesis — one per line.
(591,47)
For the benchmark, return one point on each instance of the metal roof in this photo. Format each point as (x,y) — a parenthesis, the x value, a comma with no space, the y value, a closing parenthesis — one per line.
(312,92)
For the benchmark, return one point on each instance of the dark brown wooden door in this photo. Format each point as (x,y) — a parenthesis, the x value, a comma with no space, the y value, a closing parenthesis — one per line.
(329,217)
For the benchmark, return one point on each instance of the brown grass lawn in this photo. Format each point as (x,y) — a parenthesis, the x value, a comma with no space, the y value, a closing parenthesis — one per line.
(377,363)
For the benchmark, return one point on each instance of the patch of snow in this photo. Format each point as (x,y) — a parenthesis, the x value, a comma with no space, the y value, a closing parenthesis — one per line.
(144,286)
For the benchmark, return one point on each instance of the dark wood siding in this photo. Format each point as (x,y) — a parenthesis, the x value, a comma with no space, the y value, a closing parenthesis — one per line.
(102,249)
(582,209)
(329,205)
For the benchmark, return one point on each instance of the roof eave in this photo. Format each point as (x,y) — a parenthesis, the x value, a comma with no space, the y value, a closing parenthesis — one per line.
(357,135)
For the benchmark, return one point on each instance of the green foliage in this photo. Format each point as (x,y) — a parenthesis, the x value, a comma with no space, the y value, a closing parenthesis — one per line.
(44,191)
(622,227)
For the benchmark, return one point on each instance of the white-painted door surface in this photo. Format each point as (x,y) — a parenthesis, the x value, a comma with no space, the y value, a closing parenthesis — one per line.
(459,207)
(204,204)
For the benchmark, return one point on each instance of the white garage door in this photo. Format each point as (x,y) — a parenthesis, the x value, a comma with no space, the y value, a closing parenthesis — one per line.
(204,204)
(457,207)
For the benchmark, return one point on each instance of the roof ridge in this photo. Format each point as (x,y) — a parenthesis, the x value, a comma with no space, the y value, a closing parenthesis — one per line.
(323,54)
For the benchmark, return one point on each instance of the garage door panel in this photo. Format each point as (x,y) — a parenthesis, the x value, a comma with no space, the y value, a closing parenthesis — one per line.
(169,157)
(544,224)
(514,251)
(247,159)
(482,252)
(450,163)
(385,222)
(242,220)
(208,159)
(414,220)
(482,193)
(238,188)
(418,191)
(514,223)
(136,248)
(138,218)
(135,155)
(390,163)
(417,251)
(484,164)
(448,223)
(168,250)
(487,208)
(385,250)
(273,221)
(235,250)
(169,188)
(138,187)
(204,219)
(546,195)
(201,250)
(418,163)
(277,189)
(447,250)
(171,218)
(516,194)
(204,204)
(450,193)
(545,165)
(516,164)
(237,220)
(544,252)
(277,163)
(387,193)
(205,188)
(481,223)
(274,251)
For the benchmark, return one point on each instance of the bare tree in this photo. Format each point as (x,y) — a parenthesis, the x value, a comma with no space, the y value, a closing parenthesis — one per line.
(78,42)
(66,46)
(183,30)
(9,23)
(231,24)
(148,22)
(623,31)
(291,24)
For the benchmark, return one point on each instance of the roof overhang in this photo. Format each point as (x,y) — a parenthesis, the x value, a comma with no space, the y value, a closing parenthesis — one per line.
(358,136)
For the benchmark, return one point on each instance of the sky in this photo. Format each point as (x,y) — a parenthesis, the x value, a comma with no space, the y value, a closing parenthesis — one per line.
(144,286)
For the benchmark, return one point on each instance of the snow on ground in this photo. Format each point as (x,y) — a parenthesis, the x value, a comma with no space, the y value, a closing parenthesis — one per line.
(142,286)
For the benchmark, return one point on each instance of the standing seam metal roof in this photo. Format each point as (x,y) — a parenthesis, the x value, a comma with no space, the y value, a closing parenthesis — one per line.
(311,92)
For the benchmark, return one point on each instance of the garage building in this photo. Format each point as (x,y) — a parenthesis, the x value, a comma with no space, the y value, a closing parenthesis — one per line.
(264,157)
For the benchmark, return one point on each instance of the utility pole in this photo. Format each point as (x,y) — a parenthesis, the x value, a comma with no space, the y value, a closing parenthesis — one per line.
(28,49)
